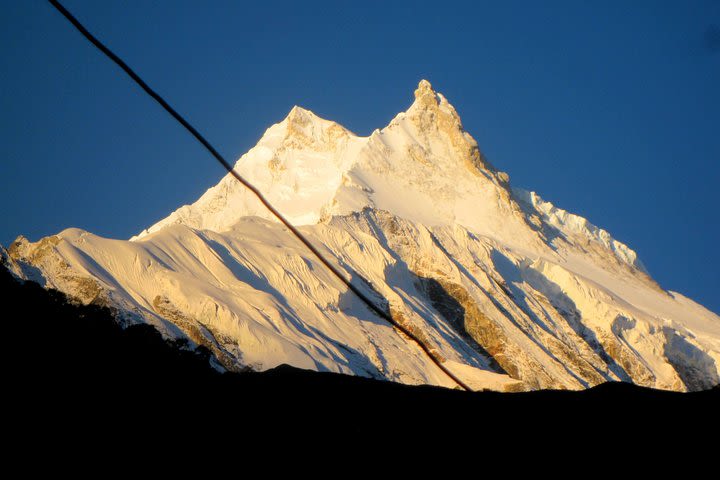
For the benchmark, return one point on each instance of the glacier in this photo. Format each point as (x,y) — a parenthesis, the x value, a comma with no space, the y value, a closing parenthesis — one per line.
(511,292)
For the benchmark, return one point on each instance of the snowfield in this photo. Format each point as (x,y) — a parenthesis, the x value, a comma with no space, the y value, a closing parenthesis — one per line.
(510,291)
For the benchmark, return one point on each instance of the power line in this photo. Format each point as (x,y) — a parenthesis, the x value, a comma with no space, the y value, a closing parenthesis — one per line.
(379,311)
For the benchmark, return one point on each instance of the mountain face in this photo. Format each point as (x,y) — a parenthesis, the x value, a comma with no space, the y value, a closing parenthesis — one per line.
(511,292)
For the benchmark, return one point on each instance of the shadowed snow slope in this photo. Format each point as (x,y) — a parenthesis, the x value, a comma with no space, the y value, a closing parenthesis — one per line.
(511,292)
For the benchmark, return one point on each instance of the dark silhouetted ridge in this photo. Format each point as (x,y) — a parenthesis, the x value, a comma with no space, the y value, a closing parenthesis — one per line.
(73,368)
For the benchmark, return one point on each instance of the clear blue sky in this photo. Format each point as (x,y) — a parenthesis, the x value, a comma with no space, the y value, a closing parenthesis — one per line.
(609,110)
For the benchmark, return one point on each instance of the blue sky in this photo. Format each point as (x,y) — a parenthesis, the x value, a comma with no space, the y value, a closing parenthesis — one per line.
(610,110)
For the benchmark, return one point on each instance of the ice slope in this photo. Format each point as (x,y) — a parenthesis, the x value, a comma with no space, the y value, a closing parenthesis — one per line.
(510,291)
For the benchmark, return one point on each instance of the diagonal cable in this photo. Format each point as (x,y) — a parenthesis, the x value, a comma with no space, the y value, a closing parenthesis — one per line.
(365,299)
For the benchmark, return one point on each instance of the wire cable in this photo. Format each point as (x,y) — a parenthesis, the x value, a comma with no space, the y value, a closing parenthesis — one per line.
(367,301)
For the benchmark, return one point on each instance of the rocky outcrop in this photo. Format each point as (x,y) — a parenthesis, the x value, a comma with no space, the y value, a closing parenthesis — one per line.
(223,348)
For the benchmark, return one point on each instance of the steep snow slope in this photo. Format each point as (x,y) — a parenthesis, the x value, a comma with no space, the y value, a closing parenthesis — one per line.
(510,291)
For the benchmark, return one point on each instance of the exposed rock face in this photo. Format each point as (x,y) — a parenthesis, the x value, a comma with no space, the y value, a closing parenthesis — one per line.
(202,335)
(434,116)
(510,292)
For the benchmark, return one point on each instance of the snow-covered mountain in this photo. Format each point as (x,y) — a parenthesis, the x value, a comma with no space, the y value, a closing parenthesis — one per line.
(509,291)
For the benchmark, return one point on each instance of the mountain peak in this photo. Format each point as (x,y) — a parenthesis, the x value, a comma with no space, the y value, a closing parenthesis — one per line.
(299,114)
(426,98)
(431,108)
(424,88)
(434,117)
(300,119)
(302,128)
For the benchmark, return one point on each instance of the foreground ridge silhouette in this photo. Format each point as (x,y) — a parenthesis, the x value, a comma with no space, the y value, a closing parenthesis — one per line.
(75,367)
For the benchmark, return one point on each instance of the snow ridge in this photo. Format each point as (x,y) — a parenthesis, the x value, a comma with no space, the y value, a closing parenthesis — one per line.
(570,223)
